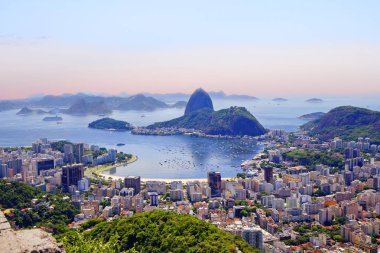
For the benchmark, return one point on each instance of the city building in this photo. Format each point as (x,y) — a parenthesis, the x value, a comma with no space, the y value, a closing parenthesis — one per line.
(215,183)
(71,174)
(254,237)
(133,182)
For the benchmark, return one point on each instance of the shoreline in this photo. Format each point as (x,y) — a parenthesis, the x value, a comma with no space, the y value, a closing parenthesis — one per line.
(98,170)
(166,180)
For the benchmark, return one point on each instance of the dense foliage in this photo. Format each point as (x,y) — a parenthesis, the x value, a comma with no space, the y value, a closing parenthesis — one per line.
(231,121)
(155,231)
(310,158)
(58,145)
(307,230)
(16,195)
(51,211)
(108,123)
(347,122)
(312,116)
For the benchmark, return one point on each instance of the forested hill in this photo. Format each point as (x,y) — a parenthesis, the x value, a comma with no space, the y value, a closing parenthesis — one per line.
(347,122)
(156,231)
(231,121)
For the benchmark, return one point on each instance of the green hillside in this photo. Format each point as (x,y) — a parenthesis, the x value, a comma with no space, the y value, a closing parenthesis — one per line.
(347,122)
(156,231)
(231,121)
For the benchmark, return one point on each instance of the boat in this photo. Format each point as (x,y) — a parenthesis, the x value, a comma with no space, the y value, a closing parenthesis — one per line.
(120,144)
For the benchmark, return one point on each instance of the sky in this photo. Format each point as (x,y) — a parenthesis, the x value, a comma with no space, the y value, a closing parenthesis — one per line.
(258,48)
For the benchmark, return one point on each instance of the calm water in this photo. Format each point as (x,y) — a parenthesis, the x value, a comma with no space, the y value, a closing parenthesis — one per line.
(170,156)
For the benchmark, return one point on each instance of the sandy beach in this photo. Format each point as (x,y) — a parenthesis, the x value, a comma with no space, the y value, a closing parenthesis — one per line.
(166,180)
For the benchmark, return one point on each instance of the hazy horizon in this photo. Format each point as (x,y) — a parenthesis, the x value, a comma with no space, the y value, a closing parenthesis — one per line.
(271,48)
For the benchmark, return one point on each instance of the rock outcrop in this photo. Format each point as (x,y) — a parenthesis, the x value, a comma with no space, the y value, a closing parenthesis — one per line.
(26,241)
(199,100)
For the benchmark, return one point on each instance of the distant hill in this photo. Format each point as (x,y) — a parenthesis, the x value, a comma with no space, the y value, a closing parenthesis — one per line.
(179,104)
(141,103)
(199,100)
(7,105)
(110,124)
(312,116)
(82,107)
(347,122)
(172,97)
(222,95)
(231,121)
(314,100)
(155,231)
(27,111)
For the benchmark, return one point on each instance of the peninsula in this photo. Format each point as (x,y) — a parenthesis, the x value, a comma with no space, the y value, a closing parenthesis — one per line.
(201,118)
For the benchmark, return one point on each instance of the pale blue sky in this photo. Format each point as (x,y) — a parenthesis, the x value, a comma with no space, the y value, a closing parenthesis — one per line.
(138,44)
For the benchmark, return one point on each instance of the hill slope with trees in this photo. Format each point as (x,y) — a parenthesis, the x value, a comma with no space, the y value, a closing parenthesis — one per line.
(347,122)
(156,231)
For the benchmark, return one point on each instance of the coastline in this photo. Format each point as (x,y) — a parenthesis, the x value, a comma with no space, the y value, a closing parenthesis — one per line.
(98,170)
(166,180)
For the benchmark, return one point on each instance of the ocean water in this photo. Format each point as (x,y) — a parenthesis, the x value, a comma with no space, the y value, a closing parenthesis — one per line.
(170,156)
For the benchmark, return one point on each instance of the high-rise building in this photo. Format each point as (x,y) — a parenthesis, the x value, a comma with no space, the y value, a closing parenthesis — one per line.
(305,178)
(68,153)
(348,177)
(71,175)
(153,198)
(254,237)
(215,183)
(133,182)
(45,164)
(376,182)
(3,170)
(268,174)
(79,152)
(15,164)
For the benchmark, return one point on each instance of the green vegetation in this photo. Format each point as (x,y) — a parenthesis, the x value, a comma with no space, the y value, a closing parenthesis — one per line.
(155,231)
(16,195)
(310,158)
(347,122)
(51,211)
(123,157)
(97,153)
(108,123)
(58,145)
(231,121)
(312,116)
(307,230)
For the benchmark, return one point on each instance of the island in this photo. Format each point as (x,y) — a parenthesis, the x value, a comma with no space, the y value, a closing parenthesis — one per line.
(314,100)
(346,122)
(110,124)
(312,116)
(27,111)
(201,119)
